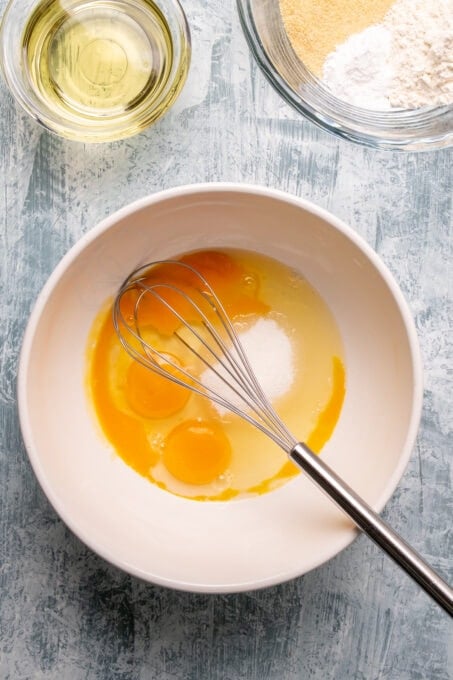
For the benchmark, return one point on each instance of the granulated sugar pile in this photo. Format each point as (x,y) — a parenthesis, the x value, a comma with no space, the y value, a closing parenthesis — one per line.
(400,57)
(270,354)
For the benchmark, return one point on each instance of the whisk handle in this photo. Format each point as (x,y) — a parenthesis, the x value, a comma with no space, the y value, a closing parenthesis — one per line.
(373,526)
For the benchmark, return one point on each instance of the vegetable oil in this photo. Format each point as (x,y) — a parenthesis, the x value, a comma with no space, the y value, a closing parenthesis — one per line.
(95,62)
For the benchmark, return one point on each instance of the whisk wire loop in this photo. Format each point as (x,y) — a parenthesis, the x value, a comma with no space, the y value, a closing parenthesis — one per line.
(231,365)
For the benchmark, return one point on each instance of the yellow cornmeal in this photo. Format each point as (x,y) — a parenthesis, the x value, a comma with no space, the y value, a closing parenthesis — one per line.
(316,27)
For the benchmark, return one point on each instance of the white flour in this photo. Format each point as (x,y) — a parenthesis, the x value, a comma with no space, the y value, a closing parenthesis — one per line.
(360,70)
(404,62)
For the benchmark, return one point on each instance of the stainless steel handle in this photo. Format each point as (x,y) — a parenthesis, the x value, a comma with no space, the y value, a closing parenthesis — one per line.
(373,526)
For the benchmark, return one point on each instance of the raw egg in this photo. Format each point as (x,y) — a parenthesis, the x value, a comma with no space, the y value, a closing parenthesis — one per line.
(151,395)
(181,441)
(197,452)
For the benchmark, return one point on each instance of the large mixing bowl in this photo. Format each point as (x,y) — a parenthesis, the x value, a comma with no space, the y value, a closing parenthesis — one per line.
(231,545)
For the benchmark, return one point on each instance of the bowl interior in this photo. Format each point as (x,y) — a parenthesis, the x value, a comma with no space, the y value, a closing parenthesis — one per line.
(218,546)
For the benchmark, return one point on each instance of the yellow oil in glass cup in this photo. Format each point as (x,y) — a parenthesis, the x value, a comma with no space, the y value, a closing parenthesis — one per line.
(95,70)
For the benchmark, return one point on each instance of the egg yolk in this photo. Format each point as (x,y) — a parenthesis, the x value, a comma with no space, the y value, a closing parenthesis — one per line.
(157,310)
(237,291)
(151,395)
(197,452)
(229,282)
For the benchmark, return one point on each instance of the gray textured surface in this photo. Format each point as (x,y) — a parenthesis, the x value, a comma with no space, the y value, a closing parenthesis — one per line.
(66,614)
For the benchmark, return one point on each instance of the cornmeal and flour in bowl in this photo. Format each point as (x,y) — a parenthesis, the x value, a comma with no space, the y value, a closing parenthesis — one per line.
(377,54)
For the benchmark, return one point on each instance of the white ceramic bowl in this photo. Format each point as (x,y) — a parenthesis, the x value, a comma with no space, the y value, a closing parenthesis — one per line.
(218,546)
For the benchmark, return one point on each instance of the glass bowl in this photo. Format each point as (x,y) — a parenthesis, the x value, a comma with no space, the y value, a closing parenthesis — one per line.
(417,129)
(95,70)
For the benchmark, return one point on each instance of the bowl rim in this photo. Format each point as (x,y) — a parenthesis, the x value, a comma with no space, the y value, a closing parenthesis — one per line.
(97,231)
(370,128)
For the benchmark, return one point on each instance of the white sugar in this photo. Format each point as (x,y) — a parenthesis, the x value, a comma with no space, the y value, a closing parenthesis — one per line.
(270,355)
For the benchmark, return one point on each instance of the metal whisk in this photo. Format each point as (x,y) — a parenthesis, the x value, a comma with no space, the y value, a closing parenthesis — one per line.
(208,337)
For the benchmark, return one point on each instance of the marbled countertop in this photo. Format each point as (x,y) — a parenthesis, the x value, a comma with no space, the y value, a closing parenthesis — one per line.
(66,614)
